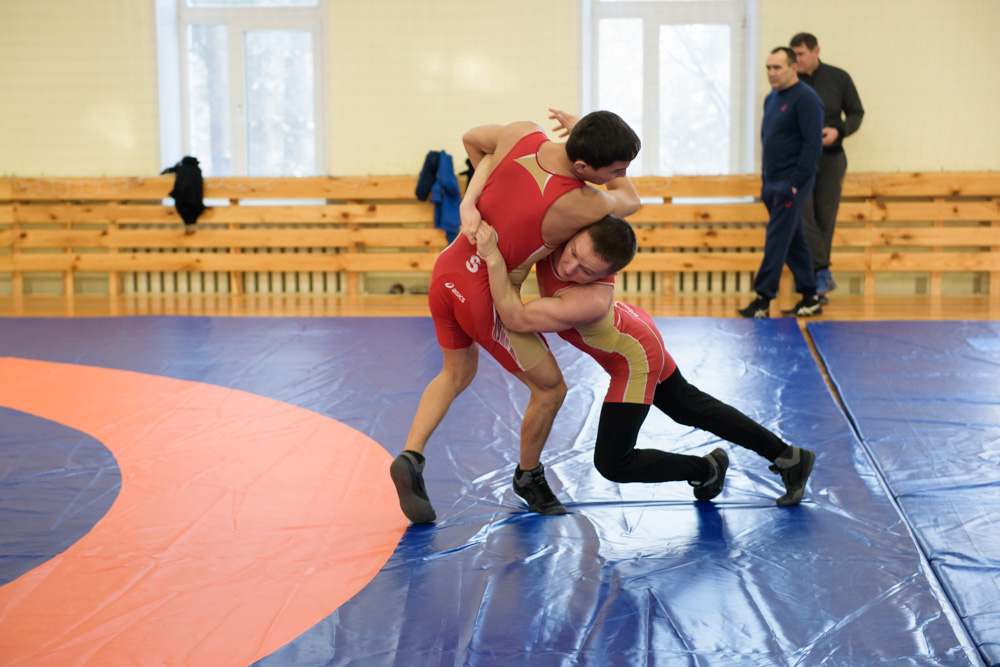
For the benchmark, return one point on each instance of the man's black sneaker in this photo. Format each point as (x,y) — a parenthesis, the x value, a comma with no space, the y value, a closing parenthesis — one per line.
(759,308)
(531,485)
(711,487)
(407,475)
(807,307)
(794,466)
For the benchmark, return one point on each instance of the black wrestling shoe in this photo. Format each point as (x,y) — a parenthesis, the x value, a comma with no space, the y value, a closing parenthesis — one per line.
(711,487)
(408,477)
(807,307)
(532,486)
(794,466)
(758,309)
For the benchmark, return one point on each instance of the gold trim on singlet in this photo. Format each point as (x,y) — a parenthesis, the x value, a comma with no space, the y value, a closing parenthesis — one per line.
(606,337)
(530,163)
(527,349)
(519,274)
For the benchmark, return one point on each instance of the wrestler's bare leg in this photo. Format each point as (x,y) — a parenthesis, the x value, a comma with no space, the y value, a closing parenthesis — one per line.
(545,381)
(457,371)
(407,469)
(547,393)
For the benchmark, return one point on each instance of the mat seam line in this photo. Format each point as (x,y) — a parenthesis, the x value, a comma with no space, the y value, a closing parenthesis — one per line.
(937,588)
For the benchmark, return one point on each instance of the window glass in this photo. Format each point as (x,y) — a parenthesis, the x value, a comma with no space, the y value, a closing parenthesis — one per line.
(240,85)
(279,96)
(694,99)
(677,73)
(620,73)
(208,98)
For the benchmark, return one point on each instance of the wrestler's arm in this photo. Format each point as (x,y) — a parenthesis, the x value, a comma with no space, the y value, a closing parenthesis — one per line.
(577,209)
(468,210)
(625,195)
(576,306)
(481,141)
(591,203)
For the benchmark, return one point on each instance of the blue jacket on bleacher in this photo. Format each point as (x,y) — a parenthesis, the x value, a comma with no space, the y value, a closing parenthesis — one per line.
(438,180)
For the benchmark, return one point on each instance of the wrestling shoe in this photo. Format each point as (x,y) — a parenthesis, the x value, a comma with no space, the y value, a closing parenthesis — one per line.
(711,487)
(759,308)
(407,475)
(532,486)
(794,466)
(807,307)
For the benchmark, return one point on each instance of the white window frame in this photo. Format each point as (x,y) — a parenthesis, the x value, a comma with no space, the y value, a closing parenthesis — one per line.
(738,14)
(173,18)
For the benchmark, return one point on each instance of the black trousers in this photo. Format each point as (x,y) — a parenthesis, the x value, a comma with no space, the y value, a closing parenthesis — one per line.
(617,459)
(820,214)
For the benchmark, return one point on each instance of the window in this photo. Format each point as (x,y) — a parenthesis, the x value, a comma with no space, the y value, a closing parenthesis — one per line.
(677,71)
(241,86)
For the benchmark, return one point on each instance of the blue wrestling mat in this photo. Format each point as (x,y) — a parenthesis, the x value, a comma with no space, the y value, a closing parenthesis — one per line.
(634,574)
(925,397)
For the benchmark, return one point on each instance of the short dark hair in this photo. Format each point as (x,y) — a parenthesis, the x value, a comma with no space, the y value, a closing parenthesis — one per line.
(804,39)
(614,241)
(602,138)
(788,54)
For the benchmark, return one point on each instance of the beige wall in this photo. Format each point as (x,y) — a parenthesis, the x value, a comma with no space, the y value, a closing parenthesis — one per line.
(78,94)
(926,70)
(408,77)
(78,88)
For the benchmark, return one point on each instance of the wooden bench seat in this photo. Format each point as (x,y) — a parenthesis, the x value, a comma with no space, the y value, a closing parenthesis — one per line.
(887,223)
(349,228)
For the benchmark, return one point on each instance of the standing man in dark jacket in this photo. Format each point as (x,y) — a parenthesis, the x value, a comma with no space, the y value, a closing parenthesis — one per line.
(791,134)
(841,118)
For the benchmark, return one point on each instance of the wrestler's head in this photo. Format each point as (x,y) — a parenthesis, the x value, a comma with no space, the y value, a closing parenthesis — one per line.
(597,251)
(601,147)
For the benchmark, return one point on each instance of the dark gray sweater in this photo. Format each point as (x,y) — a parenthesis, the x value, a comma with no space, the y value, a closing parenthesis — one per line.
(842,108)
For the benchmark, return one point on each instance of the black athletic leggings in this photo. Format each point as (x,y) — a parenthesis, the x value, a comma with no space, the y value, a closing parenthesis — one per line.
(618,460)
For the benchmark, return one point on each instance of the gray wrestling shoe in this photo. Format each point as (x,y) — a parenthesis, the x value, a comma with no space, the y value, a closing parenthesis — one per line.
(407,475)
(794,465)
(711,487)
(532,486)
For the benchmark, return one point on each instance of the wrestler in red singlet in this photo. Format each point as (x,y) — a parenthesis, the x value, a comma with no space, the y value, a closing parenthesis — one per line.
(625,343)
(514,201)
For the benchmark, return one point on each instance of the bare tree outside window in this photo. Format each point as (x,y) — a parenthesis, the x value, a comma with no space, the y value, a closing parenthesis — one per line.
(695,100)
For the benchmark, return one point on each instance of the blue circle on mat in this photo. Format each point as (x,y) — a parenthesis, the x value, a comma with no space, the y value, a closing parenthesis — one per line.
(55,484)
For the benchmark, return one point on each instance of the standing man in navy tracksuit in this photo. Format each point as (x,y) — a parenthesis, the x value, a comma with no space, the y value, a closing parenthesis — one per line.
(792,136)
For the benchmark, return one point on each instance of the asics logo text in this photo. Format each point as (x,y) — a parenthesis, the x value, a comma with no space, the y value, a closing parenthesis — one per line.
(454,291)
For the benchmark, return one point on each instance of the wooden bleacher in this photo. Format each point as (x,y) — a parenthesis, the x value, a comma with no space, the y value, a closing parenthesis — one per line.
(330,233)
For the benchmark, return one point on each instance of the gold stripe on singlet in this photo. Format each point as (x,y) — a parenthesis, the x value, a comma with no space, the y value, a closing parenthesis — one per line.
(604,336)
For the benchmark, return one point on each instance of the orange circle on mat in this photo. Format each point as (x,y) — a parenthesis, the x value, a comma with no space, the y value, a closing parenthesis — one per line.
(242,522)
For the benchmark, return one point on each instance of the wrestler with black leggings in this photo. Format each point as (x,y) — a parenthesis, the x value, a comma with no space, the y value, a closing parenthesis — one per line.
(576,283)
